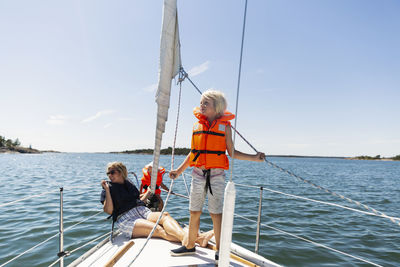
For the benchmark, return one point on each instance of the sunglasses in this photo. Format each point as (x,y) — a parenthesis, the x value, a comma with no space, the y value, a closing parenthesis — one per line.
(112,172)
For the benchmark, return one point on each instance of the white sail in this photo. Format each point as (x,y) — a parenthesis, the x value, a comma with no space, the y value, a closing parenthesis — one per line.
(170,62)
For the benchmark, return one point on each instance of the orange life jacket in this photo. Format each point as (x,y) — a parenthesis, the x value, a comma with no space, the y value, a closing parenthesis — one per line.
(208,141)
(146,180)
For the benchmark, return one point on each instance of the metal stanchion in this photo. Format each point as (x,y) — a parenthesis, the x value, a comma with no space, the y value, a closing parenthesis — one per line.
(259,220)
(60,254)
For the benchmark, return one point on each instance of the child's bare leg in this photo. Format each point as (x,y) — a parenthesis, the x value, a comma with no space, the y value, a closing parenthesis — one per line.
(194,224)
(217,220)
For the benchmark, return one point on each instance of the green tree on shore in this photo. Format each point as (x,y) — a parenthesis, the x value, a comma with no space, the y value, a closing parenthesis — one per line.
(9,143)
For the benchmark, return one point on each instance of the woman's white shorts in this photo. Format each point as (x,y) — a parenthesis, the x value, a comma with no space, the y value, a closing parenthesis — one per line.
(126,221)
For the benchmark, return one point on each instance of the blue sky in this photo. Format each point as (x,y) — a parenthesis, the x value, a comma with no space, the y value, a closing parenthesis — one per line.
(318,77)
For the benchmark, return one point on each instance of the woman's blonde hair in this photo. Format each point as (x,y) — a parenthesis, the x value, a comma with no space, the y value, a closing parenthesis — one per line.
(119,166)
(218,99)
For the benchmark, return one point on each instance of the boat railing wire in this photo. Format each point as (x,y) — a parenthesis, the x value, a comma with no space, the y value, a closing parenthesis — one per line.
(302,238)
(82,246)
(310,241)
(54,235)
(74,225)
(321,202)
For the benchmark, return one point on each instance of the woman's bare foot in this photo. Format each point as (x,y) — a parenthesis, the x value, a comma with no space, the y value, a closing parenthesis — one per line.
(203,238)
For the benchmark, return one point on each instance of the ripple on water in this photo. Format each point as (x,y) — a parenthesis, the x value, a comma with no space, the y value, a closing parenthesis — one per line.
(32,221)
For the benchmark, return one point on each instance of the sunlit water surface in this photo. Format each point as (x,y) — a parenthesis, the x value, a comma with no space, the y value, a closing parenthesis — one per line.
(373,183)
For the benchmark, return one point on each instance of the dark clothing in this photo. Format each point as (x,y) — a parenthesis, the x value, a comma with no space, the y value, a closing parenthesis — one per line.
(207,173)
(124,197)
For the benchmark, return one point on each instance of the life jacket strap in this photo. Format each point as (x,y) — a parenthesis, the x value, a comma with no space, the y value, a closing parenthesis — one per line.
(207,174)
(198,152)
(209,132)
(146,186)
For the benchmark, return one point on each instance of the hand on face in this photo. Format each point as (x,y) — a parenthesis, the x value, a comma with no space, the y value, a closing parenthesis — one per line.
(105,185)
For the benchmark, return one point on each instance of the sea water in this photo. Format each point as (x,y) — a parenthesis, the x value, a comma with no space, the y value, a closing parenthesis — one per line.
(27,223)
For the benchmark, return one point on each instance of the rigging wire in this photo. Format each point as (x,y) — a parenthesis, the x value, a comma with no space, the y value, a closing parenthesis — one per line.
(310,241)
(238,88)
(186,186)
(366,207)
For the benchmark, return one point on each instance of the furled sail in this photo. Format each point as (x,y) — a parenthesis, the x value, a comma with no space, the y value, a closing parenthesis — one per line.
(170,63)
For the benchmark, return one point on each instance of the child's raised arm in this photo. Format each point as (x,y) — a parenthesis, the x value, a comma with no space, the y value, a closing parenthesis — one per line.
(240,155)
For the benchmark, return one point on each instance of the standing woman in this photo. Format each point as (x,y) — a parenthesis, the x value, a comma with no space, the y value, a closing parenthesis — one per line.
(121,199)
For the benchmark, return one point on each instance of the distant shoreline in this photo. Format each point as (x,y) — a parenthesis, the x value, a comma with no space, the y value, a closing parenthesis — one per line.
(24,150)
(180,151)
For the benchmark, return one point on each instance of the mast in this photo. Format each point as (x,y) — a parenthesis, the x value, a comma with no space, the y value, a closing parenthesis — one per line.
(170,63)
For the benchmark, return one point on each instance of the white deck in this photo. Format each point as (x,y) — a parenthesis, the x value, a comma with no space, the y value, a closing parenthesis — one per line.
(157,253)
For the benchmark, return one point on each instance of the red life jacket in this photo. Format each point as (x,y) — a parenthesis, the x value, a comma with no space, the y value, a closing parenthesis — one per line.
(146,180)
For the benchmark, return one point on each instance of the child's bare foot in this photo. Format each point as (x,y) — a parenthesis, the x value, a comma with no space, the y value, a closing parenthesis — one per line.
(203,238)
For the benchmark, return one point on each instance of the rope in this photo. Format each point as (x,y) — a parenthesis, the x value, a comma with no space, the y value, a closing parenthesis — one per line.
(310,241)
(25,198)
(182,76)
(28,250)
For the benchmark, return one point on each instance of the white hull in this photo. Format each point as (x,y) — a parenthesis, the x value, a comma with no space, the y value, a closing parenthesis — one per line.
(157,253)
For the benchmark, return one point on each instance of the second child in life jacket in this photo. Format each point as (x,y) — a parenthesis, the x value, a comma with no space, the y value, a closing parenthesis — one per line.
(155,203)
(211,138)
